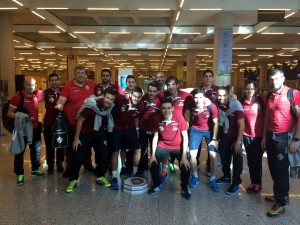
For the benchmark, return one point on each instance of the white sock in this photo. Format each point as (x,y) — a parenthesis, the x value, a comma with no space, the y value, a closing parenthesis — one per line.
(114,173)
(195,174)
(134,169)
(212,178)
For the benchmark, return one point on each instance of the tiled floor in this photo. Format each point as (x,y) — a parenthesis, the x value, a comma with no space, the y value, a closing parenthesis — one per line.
(44,201)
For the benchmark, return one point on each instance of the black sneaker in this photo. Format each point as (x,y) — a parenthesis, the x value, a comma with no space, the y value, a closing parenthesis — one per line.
(123,171)
(233,189)
(154,190)
(224,180)
(60,168)
(186,193)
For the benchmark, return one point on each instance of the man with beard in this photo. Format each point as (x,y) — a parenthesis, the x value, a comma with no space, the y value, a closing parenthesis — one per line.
(279,122)
(100,89)
(161,80)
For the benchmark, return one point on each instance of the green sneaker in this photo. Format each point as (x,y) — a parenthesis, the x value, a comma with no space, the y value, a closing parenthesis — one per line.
(20,180)
(71,186)
(37,173)
(271,198)
(102,181)
(276,210)
(171,168)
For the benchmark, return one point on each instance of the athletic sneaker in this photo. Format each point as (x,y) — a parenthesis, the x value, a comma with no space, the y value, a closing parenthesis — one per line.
(213,185)
(186,193)
(123,171)
(154,190)
(163,176)
(271,198)
(276,210)
(114,183)
(256,189)
(194,181)
(71,186)
(102,181)
(224,180)
(37,173)
(233,189)
(20,180)
(250,189)
(171,168)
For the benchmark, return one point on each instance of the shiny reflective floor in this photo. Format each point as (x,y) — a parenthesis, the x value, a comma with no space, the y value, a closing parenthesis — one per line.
(44,201)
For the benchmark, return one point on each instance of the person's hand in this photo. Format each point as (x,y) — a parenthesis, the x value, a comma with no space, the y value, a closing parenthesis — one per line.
(59,107)
(263,143)
(151,160)
(214,143)
(293,146)
(75,144)
(237,147)
(185,162)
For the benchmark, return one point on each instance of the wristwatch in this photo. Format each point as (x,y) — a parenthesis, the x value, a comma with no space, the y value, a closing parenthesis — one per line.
(296,139)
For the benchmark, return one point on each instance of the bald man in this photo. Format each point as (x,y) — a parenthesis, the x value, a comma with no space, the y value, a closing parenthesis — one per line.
(161,80)
(30,106)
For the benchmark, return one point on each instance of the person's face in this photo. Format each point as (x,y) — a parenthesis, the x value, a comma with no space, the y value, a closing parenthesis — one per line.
(166,109)
(160,78)
(54,82)
(105,76)
(208,79)
(108,100)
(222,96)
(29,86)
(276,81)
(136,97)
(80,76)
(152,92)
(199,99)
(130,83)
(172,87)
(249,90)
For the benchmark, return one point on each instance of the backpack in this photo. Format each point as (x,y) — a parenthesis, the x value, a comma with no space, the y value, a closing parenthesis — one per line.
(9,123)
(60,131)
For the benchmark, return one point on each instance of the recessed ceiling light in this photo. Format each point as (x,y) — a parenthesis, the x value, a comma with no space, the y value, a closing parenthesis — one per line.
(38,14)
(262,29)
(8,8)
(52,8)
(153,9)
(84,32)
(208,9)
(48,32)
(79,47)
(272,33)
(19,3)
(154,33)
(103,8)
(248,36)
(119,32)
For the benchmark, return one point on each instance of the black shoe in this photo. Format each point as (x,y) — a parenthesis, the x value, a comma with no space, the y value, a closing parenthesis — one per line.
(123,171)
(186,193)
(50,170)
(59,168)
(66,174)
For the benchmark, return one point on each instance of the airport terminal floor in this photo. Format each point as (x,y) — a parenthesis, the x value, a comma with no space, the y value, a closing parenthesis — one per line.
(44,201)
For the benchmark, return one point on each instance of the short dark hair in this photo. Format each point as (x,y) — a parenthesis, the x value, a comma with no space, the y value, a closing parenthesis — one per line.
(153,84)
(53,75)
(79,68)
(222,88)
(138,90)
(110,91)
(198,91)
(172,78)
(130,76)
(167,100)
(274,71)
(106,70)
(208,71)
(250,82)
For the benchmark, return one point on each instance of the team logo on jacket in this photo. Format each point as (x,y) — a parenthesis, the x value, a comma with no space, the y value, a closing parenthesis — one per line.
(51,99)
(87,87)
(161,128)
(283,98)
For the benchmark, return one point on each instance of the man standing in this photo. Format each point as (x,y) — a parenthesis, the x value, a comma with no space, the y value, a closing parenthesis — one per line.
(161,80)
(100,89)
(280,120)
(170,138)
(151,108)
(50,97)
(70,100)
(31,105)
(231,119)
(89,133)
(125,133)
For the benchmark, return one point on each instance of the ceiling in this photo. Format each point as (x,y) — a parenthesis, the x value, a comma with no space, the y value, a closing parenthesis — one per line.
(148,35)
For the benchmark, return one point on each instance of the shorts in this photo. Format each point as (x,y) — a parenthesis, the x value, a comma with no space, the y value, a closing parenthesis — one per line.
(125,139)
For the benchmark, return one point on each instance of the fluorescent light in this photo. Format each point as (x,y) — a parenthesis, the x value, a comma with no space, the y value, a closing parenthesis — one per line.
(138,60)
(25,53)
(272,33)
(191,33)
(177,16)
(289,15)
(181,3)
(48,32)
(202,55)
(289,48)
(175,55)
(276,9)
(159,9)
(79,47)
(61,28)
(46,46)
(119,32)
(16,41)
(208,9)
(265,55)
(19,3)
(209,48)
(263,48)
(154,54)
(134,54)
(154,48)
(179,48)
(248,36)
(286,55)
(50,59)
(113,54)
(22,46)
(243,55)
(38,14)
(8,8)
(154,60)
(46,53)
(84,32)
(154,33)
(239,48)
(52,8)
(103,8)
(261,29)
(72,35)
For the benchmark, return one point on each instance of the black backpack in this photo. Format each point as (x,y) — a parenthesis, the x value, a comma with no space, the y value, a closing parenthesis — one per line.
(60,131)
(9,123)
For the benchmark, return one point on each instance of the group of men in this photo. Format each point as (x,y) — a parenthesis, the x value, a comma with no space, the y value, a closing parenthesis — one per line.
(111,120)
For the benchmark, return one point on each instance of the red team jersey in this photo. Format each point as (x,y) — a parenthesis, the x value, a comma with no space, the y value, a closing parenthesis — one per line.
(211,93)
(170,136)
(75,96)
(201,119)
(124,116)
(100,90)
(30,103)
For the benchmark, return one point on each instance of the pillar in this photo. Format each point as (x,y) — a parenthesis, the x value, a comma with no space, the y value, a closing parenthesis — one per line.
(98,68)
(262,81)
(223,37)
(191,69)
(7,69)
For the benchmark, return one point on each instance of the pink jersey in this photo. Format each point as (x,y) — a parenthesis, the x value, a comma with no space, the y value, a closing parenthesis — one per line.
(201,119)
(150,111)
(279,109)
(75,96)
(170,136)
